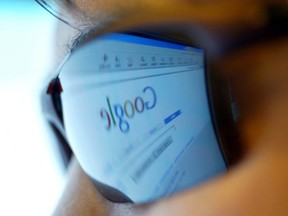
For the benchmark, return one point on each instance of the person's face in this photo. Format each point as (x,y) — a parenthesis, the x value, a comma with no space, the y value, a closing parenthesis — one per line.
(214,23)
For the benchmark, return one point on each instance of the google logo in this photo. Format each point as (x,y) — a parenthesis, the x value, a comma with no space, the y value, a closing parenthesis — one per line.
(117,114)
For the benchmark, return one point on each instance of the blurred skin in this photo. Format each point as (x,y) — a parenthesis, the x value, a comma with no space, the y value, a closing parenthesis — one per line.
(258,184)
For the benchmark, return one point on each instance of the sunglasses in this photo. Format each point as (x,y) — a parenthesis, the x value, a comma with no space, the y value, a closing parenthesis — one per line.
(144,111)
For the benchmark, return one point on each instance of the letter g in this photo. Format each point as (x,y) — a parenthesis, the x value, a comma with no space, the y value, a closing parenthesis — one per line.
(151,104)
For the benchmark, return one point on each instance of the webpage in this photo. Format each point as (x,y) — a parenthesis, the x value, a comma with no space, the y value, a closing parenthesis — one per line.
(138,117)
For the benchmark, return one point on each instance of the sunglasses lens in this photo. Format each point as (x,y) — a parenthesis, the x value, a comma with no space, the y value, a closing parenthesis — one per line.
(137,116)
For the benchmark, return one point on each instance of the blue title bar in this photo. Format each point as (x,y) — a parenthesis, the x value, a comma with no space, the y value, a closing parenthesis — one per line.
(144,41)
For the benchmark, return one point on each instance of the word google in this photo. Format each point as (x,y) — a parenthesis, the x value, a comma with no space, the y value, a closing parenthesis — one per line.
(116,114)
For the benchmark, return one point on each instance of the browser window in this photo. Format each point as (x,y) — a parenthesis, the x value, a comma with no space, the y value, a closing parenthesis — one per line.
(142,116)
